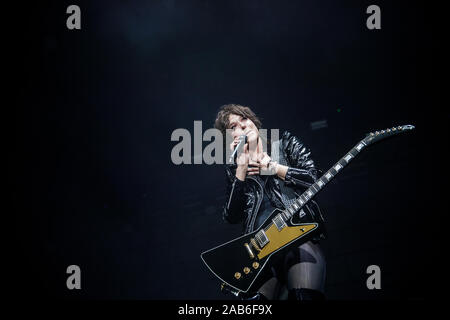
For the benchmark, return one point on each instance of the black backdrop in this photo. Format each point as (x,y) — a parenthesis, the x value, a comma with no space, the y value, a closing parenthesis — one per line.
(96,186)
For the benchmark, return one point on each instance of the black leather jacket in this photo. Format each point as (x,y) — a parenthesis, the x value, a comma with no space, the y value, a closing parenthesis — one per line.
(243,198)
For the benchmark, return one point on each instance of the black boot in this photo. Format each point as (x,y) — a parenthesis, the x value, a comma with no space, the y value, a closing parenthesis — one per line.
(306,295)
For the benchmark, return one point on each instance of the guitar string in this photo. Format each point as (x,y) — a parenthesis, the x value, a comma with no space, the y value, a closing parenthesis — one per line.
(311,189)
(365,143)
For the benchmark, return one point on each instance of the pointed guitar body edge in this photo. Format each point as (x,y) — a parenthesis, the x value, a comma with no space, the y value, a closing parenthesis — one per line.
(239,262)
(237,266)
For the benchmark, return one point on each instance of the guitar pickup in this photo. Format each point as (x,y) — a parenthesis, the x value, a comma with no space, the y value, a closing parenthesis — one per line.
(279,222)
(261,238)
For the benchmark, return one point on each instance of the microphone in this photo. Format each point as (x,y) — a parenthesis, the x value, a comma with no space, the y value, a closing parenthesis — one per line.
(239,146)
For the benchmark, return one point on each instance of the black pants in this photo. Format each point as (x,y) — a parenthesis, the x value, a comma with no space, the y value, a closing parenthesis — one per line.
(300,267)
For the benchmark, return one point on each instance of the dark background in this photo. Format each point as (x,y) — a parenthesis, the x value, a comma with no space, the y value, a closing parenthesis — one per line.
(95,185)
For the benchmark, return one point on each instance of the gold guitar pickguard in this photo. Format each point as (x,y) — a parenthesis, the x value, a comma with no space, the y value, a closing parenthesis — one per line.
(278,239)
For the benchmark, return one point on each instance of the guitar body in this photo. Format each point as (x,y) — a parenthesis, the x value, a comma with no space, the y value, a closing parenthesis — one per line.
(239,263)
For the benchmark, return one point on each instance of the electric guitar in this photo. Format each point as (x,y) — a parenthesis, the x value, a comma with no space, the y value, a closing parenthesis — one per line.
(239,262)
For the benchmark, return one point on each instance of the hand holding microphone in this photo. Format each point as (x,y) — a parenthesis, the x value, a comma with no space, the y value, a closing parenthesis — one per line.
(237,147)
(241,155)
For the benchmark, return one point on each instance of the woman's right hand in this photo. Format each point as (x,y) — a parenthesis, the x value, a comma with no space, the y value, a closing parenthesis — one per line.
(242,160)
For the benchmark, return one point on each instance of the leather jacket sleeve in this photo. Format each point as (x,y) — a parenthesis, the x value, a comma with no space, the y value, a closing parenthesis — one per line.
(301,172)
(234,208)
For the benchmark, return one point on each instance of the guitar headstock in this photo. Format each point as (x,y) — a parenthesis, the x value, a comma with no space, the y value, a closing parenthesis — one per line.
(375,136)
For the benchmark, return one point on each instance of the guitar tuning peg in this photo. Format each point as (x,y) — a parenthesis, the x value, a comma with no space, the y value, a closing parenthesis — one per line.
(376,132)
(388,130)
(399,127)
(393,128)
(382,131)
(371,133)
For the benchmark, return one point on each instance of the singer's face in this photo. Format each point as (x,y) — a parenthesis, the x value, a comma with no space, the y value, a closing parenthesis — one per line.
(242,126)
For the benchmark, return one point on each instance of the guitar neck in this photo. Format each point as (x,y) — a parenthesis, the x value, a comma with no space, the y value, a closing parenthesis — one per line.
(323,180)
(370,138)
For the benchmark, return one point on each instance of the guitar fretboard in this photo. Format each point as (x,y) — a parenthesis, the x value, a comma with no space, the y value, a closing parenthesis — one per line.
(280,220)
(321,182)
